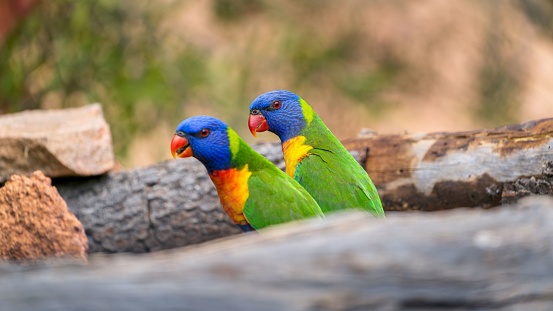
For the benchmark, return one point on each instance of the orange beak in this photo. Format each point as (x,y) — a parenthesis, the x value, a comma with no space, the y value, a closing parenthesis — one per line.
(180,148)
(257,123)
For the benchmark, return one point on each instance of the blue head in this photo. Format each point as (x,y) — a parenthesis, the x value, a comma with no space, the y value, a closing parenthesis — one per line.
(205,138)
(279,112)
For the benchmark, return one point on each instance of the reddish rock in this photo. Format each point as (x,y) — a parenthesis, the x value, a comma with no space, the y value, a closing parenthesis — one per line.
(35,222)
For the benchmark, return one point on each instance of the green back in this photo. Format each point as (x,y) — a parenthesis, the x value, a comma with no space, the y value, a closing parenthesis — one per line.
(331,174)
(274,197)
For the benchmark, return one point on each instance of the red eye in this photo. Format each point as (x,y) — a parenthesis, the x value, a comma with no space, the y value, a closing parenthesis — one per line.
(276,104)
(204,133)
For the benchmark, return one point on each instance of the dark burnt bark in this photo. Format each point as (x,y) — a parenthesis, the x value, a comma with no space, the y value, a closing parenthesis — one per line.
(438,171)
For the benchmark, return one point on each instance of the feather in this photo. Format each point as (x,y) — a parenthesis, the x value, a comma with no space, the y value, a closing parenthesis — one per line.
(314,157)
(252,190)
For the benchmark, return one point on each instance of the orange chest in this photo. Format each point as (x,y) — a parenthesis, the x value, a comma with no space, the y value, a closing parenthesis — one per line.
(232,187)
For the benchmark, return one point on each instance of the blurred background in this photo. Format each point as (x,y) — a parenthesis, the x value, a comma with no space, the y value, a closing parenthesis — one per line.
(391,66)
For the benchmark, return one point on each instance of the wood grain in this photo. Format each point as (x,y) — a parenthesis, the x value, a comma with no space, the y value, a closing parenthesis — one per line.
(446,170)
(463,259)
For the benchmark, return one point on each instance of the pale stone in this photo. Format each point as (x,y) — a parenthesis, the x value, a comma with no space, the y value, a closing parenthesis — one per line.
(66,142)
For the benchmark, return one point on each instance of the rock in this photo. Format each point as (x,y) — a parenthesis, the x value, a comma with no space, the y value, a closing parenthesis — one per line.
(35,222)
(68,142)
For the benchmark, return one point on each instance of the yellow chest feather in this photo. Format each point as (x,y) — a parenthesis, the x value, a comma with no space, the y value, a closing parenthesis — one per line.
(294,151)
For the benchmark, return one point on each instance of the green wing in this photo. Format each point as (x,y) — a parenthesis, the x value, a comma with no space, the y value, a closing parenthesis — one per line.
(338,182)
(276,198)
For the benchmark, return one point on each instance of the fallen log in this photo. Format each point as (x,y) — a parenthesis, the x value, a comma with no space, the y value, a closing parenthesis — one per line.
(465,259)
(447,170)
(175,204)
(162,206)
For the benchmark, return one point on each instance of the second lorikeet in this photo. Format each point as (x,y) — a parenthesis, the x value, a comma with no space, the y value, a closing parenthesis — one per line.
(253,191)
(314,156)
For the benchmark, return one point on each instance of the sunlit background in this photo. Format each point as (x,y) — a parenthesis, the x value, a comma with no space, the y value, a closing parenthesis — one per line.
(391,66)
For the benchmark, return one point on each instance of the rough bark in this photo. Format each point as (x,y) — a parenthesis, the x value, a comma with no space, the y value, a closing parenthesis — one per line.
(175,204)
(447,170)
(162,206)
(65,142)
(465,259)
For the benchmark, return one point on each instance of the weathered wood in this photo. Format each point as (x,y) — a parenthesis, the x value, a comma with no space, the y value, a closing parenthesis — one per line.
(175,204)
(447,170)
(162,206)
(465,259)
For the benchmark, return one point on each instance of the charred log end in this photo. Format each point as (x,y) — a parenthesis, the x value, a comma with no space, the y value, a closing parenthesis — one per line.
(483,192)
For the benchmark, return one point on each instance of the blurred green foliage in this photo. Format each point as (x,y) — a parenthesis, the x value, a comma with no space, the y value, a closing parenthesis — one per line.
(499,84)
(116,53)
(368,86)
(235,10)
(502,74)
(146,71)
(70,53)
(539,12)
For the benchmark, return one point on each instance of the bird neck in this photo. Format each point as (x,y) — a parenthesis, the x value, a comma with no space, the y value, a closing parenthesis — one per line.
(319,136)
(232,187)
(243,154)
(218,163)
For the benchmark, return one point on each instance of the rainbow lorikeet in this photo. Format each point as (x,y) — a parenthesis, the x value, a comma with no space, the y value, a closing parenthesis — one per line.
(253,191)
(314,157)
